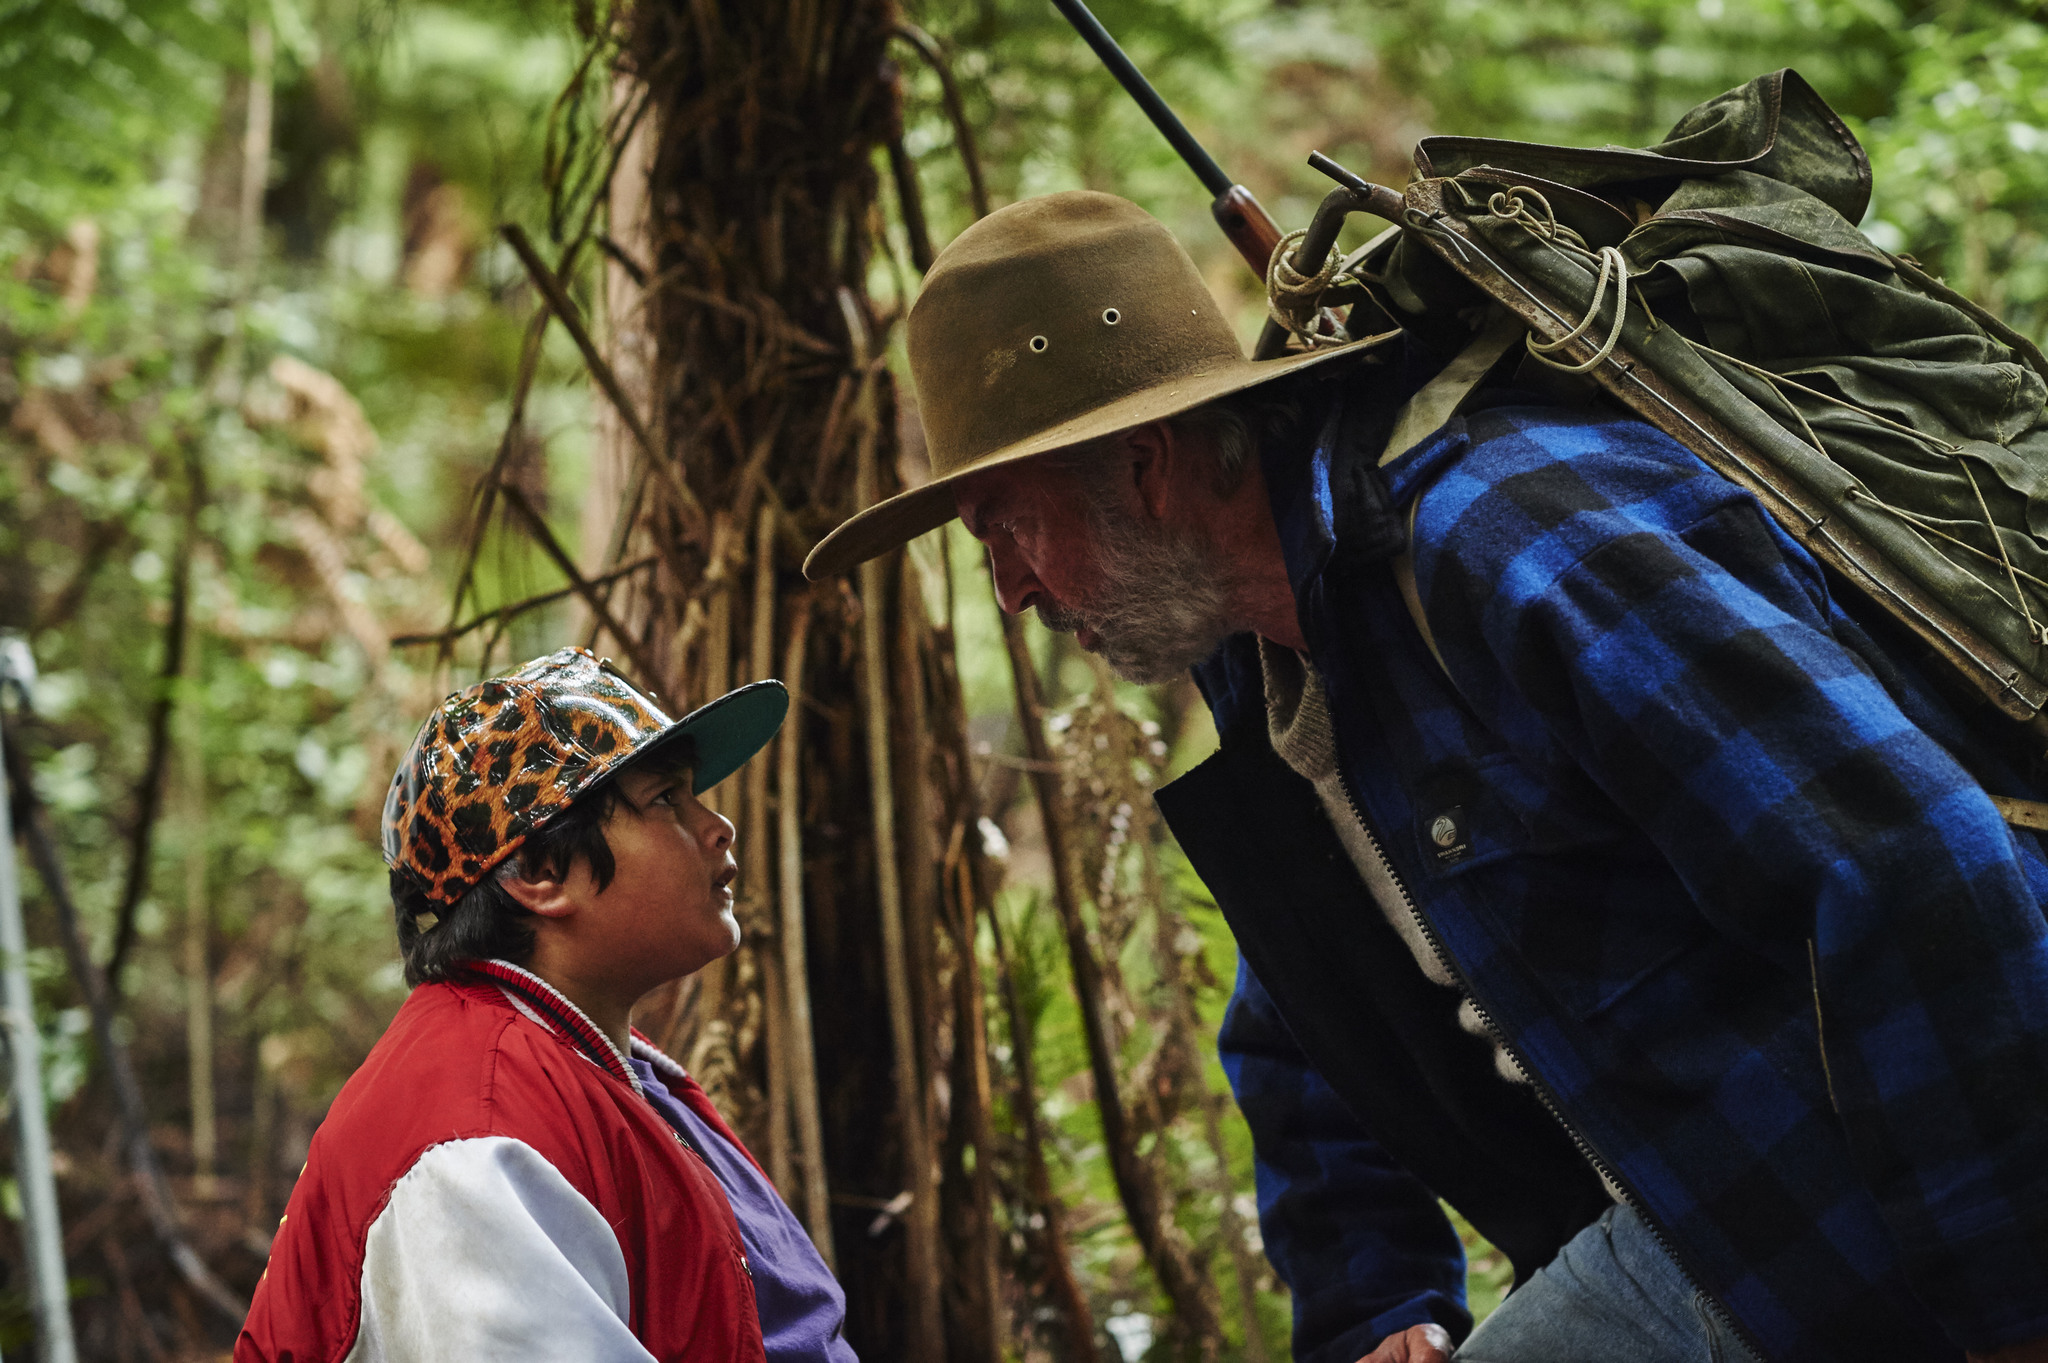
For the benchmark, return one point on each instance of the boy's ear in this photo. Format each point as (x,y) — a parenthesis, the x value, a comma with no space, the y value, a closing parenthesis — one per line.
(545,894)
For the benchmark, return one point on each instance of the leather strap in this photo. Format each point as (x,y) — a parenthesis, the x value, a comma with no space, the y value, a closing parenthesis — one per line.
(2022,813)
(1441,398)
(1437,402)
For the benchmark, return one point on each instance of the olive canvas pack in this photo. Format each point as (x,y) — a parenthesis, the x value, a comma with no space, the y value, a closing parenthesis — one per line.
(1716,284)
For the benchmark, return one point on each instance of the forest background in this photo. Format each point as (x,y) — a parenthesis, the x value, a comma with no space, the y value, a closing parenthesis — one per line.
(268,369)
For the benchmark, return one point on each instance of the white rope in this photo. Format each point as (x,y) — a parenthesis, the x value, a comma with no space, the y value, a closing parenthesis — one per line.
(1781,381)
(1927,525)
(1291,295)
(1513,206)
(2035,631)
(2033,628)
(1614,266)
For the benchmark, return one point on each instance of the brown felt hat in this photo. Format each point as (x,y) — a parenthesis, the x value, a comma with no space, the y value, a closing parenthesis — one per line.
(1052,322)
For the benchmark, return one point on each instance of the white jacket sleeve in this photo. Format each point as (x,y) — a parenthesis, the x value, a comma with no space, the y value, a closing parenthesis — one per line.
(486,1252)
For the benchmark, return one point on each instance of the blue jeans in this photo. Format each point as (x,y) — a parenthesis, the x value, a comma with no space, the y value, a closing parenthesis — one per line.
(1611,1295)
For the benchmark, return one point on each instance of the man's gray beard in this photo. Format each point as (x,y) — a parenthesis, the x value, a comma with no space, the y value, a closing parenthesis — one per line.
(1164,607)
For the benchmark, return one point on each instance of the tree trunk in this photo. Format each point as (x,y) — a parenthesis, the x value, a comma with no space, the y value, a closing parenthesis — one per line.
(769,402)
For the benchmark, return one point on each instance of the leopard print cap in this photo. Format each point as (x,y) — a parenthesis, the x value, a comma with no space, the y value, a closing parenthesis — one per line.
(499,759)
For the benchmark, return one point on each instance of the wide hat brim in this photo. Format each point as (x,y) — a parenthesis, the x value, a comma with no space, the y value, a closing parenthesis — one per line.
(895,521)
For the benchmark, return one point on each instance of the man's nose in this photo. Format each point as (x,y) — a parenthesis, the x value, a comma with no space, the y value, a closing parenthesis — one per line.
(1017,587)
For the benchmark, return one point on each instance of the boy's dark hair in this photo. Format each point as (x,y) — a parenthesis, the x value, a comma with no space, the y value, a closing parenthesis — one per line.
(487,923)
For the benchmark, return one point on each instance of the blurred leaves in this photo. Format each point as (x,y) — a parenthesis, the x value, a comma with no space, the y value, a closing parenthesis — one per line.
(325,408)
(88,88)
(135,350)
(1961,160)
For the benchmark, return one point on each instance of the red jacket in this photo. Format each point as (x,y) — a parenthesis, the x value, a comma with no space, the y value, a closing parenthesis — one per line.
(492,1184)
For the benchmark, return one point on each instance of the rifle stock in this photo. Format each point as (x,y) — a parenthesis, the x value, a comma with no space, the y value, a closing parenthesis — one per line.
(1250,228)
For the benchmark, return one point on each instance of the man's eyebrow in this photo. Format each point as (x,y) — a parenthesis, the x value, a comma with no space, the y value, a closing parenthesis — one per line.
(980,517)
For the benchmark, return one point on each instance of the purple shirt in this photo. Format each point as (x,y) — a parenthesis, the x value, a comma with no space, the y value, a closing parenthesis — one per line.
(802,1307)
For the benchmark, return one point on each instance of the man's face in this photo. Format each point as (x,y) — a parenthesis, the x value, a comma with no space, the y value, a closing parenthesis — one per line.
(668,909)
(1096,561)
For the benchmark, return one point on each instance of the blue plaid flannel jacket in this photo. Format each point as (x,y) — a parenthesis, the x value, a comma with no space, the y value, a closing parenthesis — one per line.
(1725,879)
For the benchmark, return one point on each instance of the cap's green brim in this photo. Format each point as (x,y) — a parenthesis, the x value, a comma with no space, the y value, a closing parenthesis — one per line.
(729,730)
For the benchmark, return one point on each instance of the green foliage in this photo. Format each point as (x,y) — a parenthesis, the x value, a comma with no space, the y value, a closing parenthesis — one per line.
(1961,160)
(136,369)
(282,717)
(1947,98)
(89,87)
(326,409)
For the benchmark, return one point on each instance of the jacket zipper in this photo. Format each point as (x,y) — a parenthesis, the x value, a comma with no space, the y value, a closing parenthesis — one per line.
(1593,1157)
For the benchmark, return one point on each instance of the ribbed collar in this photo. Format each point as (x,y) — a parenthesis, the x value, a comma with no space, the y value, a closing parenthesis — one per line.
(667,1070)
(1298,712)
(543,1003)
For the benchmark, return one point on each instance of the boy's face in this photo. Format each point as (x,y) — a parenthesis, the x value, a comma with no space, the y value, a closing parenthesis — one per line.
(668,909)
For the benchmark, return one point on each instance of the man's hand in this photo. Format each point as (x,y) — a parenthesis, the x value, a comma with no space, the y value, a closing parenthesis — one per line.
(1416,1344)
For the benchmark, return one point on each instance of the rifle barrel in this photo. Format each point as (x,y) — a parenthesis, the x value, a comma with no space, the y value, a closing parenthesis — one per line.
(1237,211)
(1127,75)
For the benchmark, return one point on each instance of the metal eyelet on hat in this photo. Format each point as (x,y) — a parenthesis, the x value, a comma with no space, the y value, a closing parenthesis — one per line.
(1039,345)
(1111,316)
